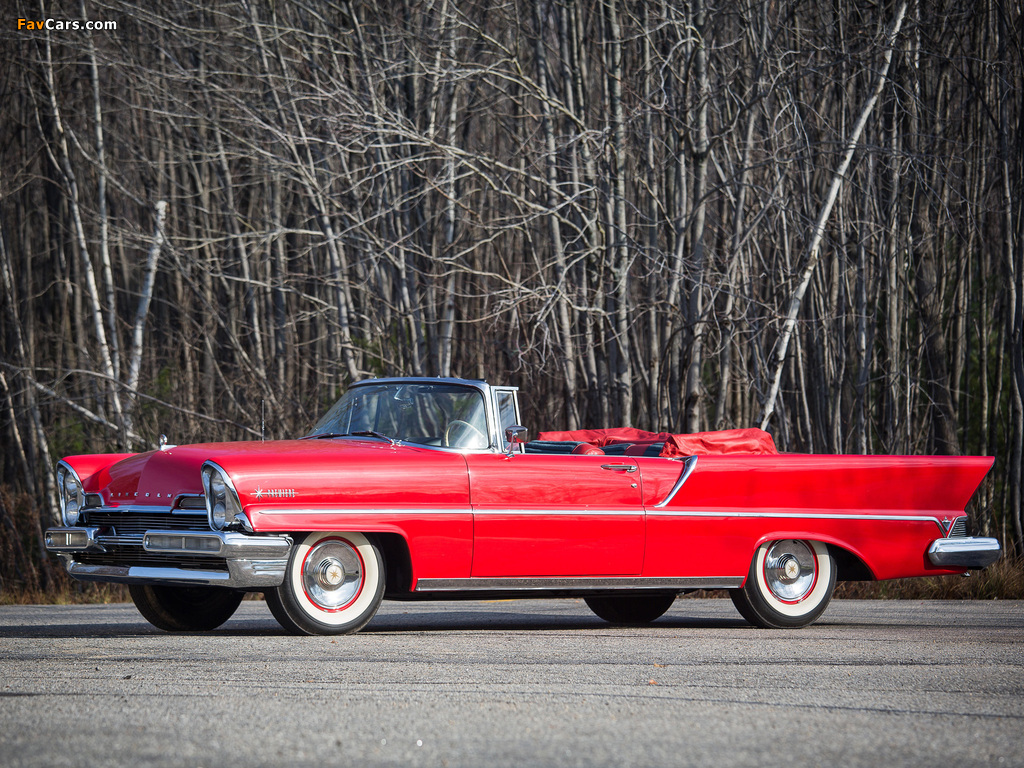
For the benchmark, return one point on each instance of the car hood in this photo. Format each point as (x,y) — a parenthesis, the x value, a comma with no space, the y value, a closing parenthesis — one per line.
(298,471)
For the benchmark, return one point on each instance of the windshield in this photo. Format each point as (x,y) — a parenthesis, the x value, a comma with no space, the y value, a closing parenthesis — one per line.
(445,415)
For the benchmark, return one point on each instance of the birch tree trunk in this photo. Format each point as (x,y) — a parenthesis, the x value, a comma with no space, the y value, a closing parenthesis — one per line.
(818,232)
(145,299)
(92,291)
(620,248)
(568,348)
(695,313)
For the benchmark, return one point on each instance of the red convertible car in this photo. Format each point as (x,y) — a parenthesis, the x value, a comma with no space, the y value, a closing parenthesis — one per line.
(419,488)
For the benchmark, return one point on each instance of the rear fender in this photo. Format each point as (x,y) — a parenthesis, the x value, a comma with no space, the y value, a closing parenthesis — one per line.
(851,565)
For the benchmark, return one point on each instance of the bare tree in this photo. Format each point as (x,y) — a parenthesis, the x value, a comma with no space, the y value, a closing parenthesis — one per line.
(679,216)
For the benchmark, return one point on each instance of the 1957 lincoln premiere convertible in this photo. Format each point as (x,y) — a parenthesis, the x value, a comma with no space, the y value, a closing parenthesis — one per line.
(416,488)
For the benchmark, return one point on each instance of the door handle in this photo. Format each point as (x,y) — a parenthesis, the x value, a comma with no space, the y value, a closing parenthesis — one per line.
(620,467)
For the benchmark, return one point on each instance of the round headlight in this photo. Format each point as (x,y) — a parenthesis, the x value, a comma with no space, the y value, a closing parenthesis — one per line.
(219,499)
(71,513)
(72,496)
(221,502)
(217,487)
(220,513)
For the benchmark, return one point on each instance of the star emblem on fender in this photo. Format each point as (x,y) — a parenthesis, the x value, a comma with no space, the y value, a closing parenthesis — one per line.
(273,493)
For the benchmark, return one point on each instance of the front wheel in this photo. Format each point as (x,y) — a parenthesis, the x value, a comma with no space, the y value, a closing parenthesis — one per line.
(635,608)
(789,584)
(184,609)
(333,585)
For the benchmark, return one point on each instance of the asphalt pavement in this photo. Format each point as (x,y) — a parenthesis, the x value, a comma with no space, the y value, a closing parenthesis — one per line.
(525,683)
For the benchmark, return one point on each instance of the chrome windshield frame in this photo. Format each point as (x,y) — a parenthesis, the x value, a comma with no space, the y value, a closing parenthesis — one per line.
(495,438)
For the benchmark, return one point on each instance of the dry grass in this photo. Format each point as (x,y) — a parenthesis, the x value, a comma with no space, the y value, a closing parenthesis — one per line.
(1002,581)
(67,592)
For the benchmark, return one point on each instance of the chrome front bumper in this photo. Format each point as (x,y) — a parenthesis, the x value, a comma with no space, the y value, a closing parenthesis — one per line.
(249,562)
(964,552)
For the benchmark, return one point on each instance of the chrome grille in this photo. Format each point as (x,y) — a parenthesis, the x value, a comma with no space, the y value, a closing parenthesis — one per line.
(137,556)
(137,523)
(959,529)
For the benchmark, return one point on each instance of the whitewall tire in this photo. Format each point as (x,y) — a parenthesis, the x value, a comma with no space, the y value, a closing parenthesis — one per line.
(333,585)
(789,584)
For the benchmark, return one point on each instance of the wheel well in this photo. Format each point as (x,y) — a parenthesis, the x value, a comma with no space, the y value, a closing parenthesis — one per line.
(849,567)
(397,562)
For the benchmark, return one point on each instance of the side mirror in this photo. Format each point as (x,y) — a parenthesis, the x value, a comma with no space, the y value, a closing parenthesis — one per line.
(514,435)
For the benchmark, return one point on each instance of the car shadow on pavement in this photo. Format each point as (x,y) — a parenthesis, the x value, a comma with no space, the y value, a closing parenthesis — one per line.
(526,621)
(392,622)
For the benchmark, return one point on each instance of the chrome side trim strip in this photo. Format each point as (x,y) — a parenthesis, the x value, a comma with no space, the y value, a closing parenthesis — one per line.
(634,512)
(603,582)
(688,466)
(800,516)
(585,512)
(651,512)
(357,511)
(964,552)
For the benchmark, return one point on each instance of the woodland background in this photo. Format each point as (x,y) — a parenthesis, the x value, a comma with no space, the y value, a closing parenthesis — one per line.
(672,215)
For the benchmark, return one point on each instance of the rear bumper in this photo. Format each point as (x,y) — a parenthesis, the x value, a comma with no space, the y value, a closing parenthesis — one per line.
(236,560)
(964,552)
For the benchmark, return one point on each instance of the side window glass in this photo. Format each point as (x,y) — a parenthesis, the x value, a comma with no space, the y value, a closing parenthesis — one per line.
(506,411)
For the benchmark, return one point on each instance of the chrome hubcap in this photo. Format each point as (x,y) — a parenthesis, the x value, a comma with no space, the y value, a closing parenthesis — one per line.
(790,570)
(332,574)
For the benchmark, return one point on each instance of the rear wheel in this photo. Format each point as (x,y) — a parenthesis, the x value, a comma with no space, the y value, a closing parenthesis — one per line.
(789,584)
(184,609)
(333,585)
(633,608)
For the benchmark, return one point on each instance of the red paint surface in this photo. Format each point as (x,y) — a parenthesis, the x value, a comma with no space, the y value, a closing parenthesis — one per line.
(566,515)
(544,515)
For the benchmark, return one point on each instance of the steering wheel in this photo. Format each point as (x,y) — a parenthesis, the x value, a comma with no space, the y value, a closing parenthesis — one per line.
(464,425)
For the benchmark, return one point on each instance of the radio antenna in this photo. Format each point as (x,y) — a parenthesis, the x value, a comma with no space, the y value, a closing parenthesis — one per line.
(263,420)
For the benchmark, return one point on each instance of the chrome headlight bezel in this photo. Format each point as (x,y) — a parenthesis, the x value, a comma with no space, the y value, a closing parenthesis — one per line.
(223,509)
(72,494)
